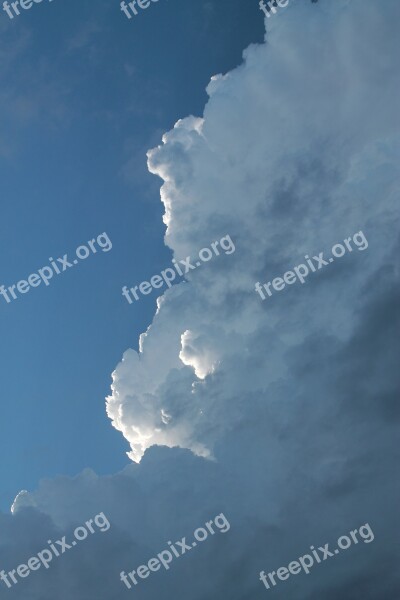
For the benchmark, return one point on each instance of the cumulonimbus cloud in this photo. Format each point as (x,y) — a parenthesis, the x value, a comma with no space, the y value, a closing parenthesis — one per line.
(281,159)
(285,411)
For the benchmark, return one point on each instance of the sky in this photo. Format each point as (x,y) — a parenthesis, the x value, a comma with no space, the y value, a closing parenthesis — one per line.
(273,414)
(85,93)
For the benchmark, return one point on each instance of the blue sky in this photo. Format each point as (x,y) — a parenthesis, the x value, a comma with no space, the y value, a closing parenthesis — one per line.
(86,92)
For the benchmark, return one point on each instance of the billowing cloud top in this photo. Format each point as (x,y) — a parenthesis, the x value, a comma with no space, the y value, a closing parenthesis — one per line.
(288,405)
(295,152)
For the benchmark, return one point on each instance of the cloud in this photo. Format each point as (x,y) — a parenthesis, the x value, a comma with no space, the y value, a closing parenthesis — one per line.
(280,413)
(280,161)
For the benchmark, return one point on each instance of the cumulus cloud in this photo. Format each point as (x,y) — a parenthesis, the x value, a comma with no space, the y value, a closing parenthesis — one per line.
(280,159)
(281,413)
